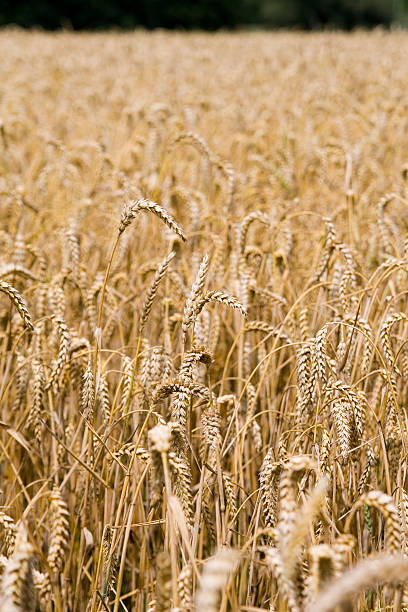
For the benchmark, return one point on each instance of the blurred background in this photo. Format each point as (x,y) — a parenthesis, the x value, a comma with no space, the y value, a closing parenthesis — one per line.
(204,14)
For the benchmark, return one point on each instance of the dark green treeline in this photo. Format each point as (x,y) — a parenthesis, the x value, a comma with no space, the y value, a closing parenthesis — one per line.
(203,14)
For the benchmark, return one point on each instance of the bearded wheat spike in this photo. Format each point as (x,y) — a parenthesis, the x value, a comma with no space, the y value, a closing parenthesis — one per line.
(385,504)
(63,354)
(131,209)
(126,383)
(222,298)
(269,487)
(59,531)
(182,484)
(10,530)
(36,387)
(386,340)
(103,399)
(190,314)
(18,302)
(341,414)
(365,474)
(152,291)
(184,587)
(88,394)
(321,357)
(230,493)
(327,252)
(16,586)
(167,389)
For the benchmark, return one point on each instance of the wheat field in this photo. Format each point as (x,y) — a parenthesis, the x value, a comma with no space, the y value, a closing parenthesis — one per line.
(203,322)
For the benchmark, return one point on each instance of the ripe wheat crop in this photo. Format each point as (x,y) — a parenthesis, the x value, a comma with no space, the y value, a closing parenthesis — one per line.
(203,322)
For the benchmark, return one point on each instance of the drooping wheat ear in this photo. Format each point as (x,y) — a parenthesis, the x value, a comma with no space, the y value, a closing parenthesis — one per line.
(182,484)
(152,291)
(163,582)
(223,298)
(257,215)
(385,504)
(214,580)
(193,139)
(16,585)
(386,340)
(19,302)
(13,269)
(297,536)
(184,588)
(131,209)
(36,392)
(366,574)
(10,530)
(366,473)
(167,389)
(63,354)
(286,587)
(197,354)
(88,394)
(269,487)
(328,249)
(59,532)
(292,471)
(190,314)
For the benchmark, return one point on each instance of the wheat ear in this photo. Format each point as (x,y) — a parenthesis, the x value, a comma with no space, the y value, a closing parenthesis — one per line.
(18,302)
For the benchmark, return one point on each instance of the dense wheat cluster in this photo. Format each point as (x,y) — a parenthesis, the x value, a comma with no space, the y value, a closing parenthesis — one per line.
(203,322)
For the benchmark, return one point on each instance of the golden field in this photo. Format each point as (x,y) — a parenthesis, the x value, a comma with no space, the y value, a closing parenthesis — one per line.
(203,321)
